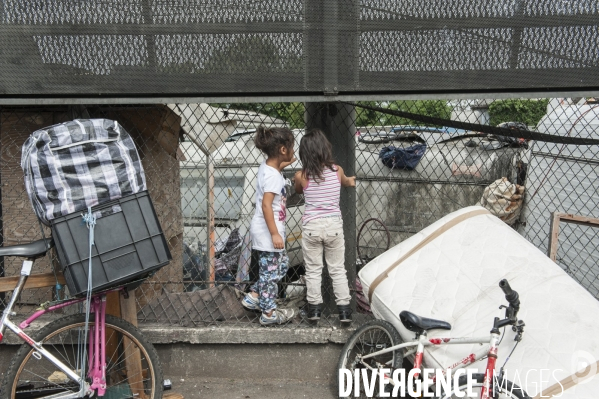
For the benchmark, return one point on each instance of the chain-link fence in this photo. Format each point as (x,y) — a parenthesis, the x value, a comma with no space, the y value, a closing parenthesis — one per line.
(201,166)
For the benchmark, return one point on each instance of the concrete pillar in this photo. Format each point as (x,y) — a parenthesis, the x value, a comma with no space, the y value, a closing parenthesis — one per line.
(337,121)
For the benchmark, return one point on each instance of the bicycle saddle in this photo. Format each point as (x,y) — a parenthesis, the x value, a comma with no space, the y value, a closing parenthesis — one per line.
(419,324)
(33,249)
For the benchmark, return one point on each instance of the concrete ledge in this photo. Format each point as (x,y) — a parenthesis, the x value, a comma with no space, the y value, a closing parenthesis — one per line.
(315,362)
(231,334)
(241,333)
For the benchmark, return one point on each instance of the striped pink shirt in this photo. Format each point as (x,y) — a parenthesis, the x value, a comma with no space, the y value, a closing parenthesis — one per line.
(322,198)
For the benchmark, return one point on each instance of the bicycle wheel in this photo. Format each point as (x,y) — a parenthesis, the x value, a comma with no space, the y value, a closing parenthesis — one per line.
(373,336)
(507,390)
(373,239)
(132,366)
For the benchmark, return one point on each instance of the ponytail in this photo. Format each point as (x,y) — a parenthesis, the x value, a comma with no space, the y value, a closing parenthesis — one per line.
(270,140)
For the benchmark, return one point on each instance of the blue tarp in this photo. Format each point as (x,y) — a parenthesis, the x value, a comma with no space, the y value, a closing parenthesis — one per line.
(402,158)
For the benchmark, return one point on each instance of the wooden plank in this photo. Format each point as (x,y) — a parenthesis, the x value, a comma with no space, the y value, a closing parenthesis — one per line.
(129,308)
(557,389)
(556,218)
(210,211)
(33,281)
(553,235)
(132,355)
(172,395)
(113,306)
(577,219)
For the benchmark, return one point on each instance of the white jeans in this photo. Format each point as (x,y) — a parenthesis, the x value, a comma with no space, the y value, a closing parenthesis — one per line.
(325,234)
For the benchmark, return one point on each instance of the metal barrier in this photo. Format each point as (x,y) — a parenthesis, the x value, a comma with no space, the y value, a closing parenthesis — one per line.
(291,47)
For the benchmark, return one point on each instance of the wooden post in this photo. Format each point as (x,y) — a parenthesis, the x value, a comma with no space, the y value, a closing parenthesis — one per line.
(553,235)
(112,343)
(210,228)
(210,221)
(125,308)
(132,355)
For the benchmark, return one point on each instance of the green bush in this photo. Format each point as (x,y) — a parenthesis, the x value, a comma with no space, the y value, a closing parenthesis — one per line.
(292,113)
(526,111)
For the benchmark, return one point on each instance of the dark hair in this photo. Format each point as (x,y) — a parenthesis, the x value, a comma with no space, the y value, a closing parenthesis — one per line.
(316,153)
(270,140)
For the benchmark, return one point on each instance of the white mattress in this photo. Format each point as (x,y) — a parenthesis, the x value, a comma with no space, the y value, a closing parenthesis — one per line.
(455,278)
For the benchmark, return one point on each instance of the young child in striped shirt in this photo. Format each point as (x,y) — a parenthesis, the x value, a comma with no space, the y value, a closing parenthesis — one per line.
(320,180)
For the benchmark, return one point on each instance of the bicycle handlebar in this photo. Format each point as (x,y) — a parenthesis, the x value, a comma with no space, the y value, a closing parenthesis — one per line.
(510,295)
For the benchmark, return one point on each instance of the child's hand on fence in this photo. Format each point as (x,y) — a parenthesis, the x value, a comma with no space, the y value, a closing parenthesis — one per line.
(346,181)
(277,241)
(287,163)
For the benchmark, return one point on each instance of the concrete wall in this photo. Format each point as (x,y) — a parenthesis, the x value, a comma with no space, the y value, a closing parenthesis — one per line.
(305,362)
(253,370)
(19,223)
(406,208)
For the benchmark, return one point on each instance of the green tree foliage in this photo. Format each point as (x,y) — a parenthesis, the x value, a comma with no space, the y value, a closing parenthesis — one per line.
(526,111)
(292,113)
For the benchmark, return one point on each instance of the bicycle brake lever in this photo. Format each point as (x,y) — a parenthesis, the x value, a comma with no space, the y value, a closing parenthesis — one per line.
(518,328)
(507,311)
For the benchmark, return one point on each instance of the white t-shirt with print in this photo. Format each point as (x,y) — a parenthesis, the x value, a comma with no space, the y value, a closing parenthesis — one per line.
(268,180)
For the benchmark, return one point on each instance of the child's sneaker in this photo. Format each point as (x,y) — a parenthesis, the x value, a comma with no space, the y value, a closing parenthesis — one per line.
(344,313)
(314,312)
(279,316)
(250,302)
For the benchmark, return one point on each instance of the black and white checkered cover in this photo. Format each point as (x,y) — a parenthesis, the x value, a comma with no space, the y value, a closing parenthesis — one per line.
(80,163)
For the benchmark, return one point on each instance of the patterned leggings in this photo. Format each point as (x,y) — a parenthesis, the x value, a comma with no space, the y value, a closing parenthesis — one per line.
(273,267)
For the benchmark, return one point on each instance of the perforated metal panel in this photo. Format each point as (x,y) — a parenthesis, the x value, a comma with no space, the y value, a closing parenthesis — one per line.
(193,47)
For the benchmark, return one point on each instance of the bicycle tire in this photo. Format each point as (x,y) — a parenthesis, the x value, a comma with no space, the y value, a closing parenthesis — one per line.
(362,342)
(508,390)
(362,258)
(124,340)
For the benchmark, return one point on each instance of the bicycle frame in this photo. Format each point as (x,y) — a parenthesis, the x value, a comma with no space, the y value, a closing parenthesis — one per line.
(96,344)
(490,352)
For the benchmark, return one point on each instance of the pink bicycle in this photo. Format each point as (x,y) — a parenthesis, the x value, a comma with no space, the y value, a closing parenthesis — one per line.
(377,345)
(77,356)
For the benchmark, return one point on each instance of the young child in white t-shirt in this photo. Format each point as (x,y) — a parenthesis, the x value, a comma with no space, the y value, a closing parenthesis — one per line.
(267,228)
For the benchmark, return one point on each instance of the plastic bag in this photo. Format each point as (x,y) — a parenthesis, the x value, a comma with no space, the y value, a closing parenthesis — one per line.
(77,164)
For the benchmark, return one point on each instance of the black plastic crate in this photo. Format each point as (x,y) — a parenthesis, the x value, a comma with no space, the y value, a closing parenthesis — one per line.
(129,244)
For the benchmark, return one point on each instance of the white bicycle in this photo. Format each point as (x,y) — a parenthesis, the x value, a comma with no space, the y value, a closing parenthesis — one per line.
(377,345)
